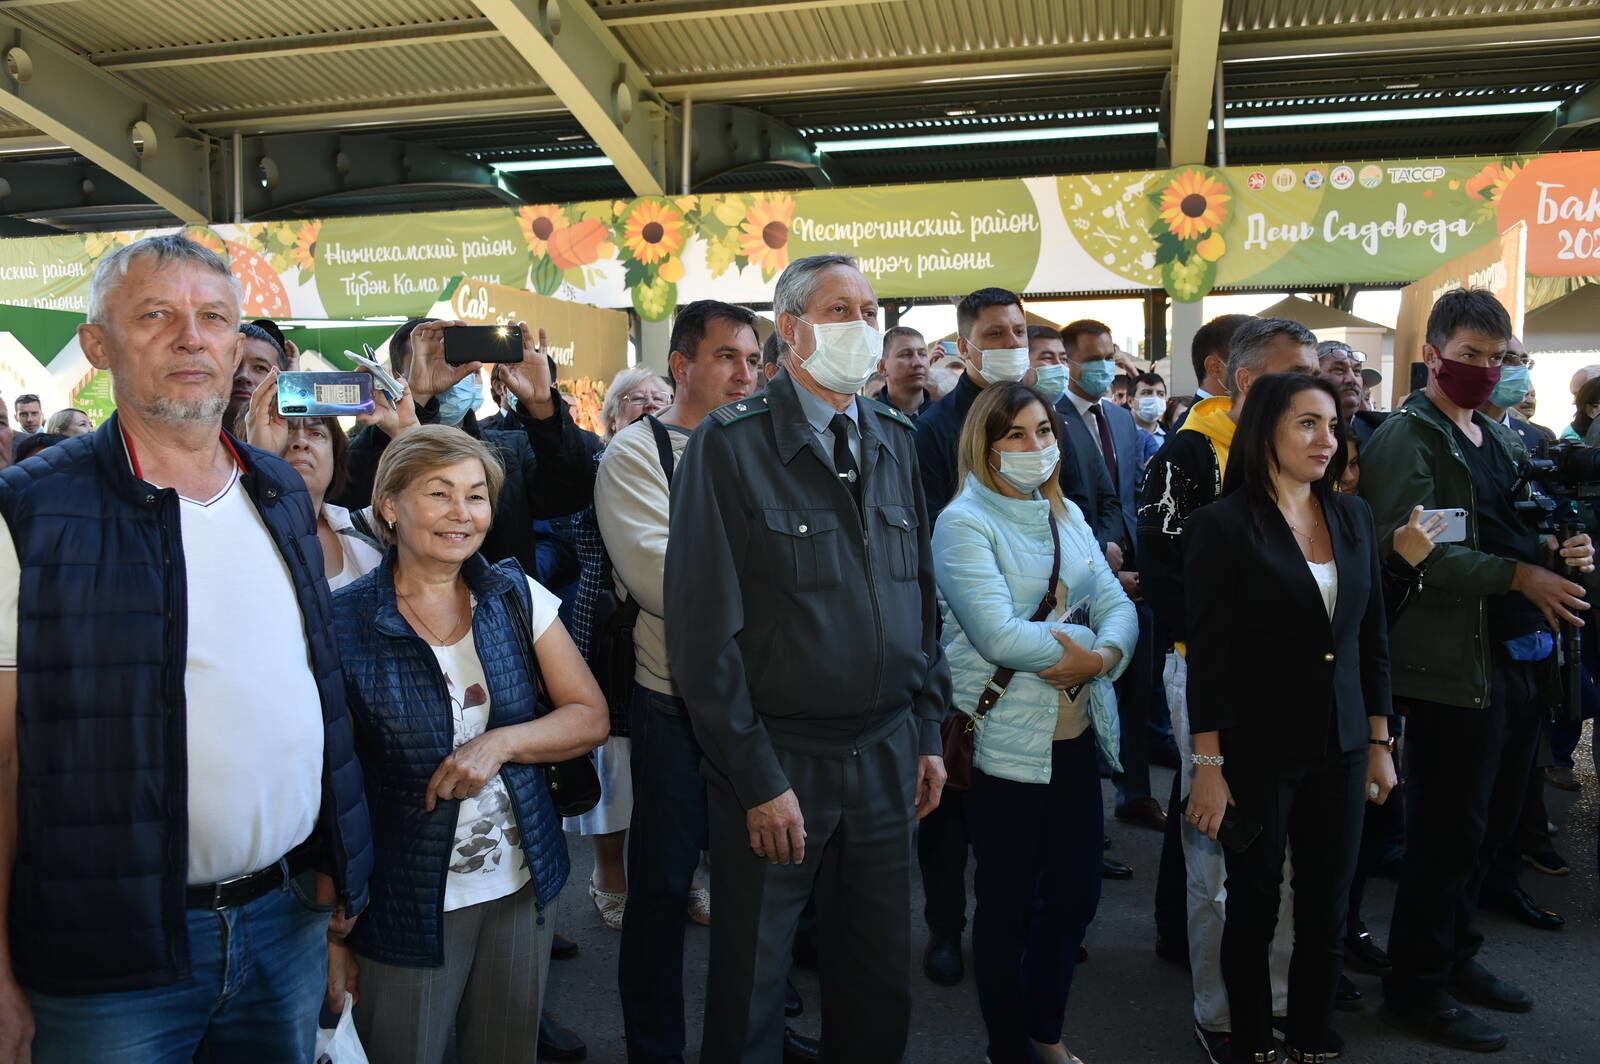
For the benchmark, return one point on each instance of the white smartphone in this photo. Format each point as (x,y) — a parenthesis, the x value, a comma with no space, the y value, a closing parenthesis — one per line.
(1455,525)
(380,376)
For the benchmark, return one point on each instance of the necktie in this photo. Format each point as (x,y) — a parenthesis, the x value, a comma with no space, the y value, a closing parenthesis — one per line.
(1108,451)
(844,463)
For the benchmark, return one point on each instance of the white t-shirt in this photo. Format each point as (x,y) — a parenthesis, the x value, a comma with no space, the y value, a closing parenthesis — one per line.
(1326,574)
(254,714)
(487,860)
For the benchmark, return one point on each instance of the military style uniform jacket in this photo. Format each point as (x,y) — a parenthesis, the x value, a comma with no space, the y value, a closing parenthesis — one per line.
(792,621)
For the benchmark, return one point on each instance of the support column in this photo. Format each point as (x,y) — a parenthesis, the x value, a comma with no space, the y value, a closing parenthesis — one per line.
(1186,321)
(654,341)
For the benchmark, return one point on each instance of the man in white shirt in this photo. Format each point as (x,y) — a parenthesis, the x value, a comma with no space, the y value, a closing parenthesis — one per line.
(166,773)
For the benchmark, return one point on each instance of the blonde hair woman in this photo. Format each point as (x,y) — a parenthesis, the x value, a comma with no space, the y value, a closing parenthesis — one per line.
(1031,610)
(461,683)
(633,394)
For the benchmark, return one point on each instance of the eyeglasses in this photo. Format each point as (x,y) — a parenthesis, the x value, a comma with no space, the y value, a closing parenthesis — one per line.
(647,398)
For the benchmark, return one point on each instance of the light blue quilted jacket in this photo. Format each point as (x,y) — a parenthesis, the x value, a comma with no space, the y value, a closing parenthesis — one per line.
(991,558)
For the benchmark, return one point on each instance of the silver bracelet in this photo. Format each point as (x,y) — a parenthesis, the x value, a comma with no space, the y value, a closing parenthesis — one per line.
(1214,760)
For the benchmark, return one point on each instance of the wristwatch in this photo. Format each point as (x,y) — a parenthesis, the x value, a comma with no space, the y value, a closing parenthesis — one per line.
(1386,743)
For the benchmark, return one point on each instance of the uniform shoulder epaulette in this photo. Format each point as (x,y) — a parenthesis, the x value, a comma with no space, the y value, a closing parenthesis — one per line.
(890,412)
(740,409)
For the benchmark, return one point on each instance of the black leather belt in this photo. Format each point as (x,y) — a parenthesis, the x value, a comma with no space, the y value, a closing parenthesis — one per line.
(242,890)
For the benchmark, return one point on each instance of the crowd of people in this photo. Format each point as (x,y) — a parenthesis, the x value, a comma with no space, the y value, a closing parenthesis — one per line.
(297,721)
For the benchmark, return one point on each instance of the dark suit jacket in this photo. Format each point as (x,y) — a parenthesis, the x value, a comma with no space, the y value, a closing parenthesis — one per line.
(1266,666)
(939,432)
(1106,513)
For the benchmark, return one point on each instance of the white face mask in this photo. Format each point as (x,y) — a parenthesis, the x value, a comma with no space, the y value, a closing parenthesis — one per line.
(1151,407)
(1051,382)
(1026,470)
(1004,364)
(846,354)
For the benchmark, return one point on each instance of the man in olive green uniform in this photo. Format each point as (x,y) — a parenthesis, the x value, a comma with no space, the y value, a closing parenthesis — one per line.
(801,631)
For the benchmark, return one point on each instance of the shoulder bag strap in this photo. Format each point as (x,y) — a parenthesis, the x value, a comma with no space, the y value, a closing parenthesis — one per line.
(663,446)
(1002,677)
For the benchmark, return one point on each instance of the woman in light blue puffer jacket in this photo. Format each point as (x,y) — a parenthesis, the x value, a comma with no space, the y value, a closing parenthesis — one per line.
(1034,811)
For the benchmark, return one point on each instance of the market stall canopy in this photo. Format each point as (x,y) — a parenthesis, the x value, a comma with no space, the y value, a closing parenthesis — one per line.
(1571,323)
(1319,317)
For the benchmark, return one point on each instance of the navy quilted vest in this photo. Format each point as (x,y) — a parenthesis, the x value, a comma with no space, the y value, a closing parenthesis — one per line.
(403,730)
(97,898)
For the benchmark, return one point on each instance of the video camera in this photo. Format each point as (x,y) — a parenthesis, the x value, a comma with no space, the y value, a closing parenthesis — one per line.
(1560,476)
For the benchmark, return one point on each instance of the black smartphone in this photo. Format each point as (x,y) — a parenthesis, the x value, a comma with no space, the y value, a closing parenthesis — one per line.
(482,343)
(1236,832)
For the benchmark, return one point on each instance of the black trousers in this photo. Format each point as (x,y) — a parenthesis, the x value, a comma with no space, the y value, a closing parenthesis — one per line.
(859,811)
(942,844)
(1316,811)
(1467,774)
(1134,691)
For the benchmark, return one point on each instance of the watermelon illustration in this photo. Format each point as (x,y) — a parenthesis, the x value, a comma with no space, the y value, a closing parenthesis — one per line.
(264,294)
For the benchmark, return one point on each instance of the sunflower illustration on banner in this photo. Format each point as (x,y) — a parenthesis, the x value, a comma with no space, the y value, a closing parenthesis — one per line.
(1191,207)
(562,249)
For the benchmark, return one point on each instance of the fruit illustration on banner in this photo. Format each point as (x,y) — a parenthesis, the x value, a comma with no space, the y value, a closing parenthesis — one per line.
(264,294)
(654,300)
(1191,208)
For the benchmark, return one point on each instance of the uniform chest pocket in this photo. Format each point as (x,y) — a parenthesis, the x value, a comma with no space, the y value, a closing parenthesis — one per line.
(897,531)
(806,547)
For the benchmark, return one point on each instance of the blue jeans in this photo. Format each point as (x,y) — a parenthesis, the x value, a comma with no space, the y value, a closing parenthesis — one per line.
(664,843)
(257,979)
(1038,884)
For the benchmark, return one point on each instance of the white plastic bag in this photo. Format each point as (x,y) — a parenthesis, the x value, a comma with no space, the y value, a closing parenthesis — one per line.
(339,1045)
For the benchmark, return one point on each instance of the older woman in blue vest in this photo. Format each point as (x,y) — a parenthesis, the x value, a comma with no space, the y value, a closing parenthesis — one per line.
(1034,811)
(445,657)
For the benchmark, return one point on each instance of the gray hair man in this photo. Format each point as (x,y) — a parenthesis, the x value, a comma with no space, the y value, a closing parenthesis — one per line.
(800,624)
(175,787)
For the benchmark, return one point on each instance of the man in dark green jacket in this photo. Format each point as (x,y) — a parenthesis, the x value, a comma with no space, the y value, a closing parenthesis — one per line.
(1473,663)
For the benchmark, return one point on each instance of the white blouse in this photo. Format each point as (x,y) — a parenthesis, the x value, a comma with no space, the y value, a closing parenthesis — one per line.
(1326,574)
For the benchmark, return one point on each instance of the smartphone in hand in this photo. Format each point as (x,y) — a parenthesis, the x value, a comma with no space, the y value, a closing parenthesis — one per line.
(303,394)
(464,344)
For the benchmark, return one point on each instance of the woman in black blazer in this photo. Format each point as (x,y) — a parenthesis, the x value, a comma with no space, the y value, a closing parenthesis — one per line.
(1288,699)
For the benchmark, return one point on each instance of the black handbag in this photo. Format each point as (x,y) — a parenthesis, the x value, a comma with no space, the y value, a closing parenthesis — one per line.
(574,784)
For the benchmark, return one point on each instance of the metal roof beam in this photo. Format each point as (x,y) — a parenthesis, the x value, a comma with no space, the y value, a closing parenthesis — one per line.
(583,63)
(31,189)
(92,113)
(301,44)
(1197,26)
(683,10)
(1557,127)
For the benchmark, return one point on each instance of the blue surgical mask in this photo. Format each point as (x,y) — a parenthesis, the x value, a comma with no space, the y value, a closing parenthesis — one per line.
(1052,383)
(466,394)
(1150,408)
(1095,378)
(1512,387)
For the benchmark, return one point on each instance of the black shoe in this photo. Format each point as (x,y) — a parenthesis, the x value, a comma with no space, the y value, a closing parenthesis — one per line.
(1327,1048)
(942,961)
(1145,813)
(1446,1022)
(559,1043)
(804,953)
(1173,952)
(1361,947)
(1110,869)
(1347,998)
(792,1003)
(798,1049)
(562,948)
(1547,861)
(1477,984)
(1517,904)
(1216,1045)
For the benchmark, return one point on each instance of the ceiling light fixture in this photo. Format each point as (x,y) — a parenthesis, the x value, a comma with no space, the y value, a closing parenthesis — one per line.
(576,162)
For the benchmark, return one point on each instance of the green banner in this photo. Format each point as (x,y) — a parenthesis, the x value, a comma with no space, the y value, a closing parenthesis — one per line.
(1187,230)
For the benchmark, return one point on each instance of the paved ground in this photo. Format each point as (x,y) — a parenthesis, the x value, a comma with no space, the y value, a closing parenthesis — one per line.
(1128,1007)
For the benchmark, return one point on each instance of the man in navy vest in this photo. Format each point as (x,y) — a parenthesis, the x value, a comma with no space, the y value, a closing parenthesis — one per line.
(179,797)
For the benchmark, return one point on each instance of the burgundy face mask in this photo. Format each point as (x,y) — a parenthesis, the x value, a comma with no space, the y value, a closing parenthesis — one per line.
(1465,385)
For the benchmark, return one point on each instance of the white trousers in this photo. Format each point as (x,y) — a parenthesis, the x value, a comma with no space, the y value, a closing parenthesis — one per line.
(1207,895)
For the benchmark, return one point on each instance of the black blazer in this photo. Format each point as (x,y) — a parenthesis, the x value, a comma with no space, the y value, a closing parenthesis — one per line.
(1266,665)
